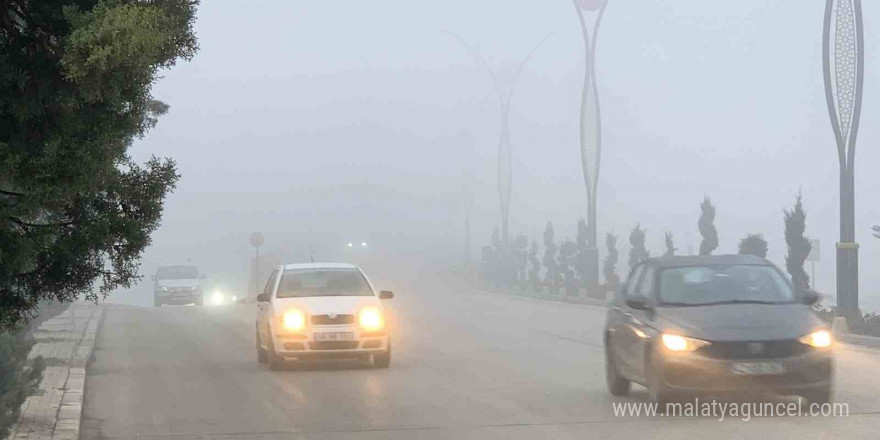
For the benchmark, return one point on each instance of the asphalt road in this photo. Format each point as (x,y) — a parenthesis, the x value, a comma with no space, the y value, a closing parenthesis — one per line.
(467,365)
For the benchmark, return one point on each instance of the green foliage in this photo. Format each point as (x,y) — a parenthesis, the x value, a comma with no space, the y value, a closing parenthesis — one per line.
(565,261)
(534,267)
(520,258)
(706,225)
(609,267)
(670,246)
(798,244)
(637,251)
(75,80)
(753,244)
(550,250)
(19,376)
(586,257)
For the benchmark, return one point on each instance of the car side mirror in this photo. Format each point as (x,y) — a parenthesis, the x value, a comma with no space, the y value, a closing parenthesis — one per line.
(638,303)
(810,297)
(386,294)
(263,298)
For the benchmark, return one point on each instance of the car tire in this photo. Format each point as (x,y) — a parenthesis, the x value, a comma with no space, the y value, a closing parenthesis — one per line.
(818,396)
(261,352)
(274,361)
(617,384)
(383,360)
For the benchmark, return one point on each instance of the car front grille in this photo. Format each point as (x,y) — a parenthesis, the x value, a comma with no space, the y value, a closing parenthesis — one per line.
(337,320)
(754,349)
(333,345)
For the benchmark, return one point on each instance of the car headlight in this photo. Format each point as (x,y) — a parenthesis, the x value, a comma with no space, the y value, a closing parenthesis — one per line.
(371,319)
(682,343)
(818,339)
(217,298)
(294,320)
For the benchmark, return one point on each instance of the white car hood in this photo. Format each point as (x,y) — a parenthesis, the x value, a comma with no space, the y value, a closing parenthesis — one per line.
(324,305)
(178,283)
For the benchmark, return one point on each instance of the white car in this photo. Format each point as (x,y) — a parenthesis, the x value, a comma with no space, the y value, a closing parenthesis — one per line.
(321,311)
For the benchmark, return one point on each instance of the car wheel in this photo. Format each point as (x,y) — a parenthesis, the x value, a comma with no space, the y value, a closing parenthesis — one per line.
(383,360)
(275,362)
(819,396)
(261,352)
(617,384)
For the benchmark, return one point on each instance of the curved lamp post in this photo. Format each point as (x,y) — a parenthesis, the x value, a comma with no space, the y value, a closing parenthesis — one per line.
(843,63)
(505,82)
(590,14)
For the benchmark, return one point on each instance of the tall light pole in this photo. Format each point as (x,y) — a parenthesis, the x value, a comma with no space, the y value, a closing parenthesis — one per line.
(843,66)
(590,14)
(505,82)
(467,193)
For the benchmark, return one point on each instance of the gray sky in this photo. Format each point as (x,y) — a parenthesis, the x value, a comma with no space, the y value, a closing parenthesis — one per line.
(332,121)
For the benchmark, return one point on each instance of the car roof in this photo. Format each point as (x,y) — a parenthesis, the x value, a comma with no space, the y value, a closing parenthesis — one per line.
(707,260)
(319,266)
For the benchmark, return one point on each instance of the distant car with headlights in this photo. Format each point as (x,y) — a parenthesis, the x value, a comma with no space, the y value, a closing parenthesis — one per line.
(715,324)
(321,311)
(177,285)
(220,297)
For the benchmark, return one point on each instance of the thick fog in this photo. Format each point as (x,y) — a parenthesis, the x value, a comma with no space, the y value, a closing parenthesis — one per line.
(329,122)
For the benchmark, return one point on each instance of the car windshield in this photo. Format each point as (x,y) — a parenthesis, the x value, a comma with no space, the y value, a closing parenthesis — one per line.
(705,285)
(177,273)
(300,283)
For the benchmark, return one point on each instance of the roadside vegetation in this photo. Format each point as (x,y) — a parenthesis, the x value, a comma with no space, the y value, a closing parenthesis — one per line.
(562,270)
(77,212)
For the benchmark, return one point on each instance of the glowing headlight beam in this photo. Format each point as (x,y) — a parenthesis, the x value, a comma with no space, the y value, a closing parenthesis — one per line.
(371,319)
(294,320)
(682,343)
(817,339)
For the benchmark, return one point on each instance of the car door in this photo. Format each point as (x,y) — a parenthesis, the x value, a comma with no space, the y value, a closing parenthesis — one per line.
(264,309)
(635,331)
(639,329)
(622,336)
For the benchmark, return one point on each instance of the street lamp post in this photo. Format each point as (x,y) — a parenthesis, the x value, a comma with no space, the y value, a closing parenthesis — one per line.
(505,83)
(591,125)
(843,65)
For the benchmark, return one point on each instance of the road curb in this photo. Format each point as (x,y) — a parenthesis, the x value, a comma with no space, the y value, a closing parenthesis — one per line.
(56,411)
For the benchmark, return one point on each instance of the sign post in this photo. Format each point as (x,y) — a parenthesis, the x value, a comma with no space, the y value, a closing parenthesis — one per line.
(256,240)
(813,257)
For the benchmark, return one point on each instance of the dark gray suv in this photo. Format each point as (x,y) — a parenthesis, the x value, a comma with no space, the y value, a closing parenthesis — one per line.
(717,324)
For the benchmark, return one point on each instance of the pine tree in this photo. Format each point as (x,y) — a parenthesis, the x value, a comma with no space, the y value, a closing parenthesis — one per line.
(707,227)
(798,244)
(550,258)
(637,251)
(534,267)
(670,246)
(609,267)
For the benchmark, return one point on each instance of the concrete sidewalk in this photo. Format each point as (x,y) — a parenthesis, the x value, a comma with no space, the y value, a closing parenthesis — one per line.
(65,342)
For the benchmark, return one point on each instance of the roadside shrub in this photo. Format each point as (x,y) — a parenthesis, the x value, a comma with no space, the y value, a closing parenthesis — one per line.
(753,244)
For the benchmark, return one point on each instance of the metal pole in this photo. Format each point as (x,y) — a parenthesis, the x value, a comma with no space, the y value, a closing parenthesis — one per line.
(843,73)
(505,154)
(257,274)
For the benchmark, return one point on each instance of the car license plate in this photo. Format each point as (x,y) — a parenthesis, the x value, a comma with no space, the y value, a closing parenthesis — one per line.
(757,368)
(335,336)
